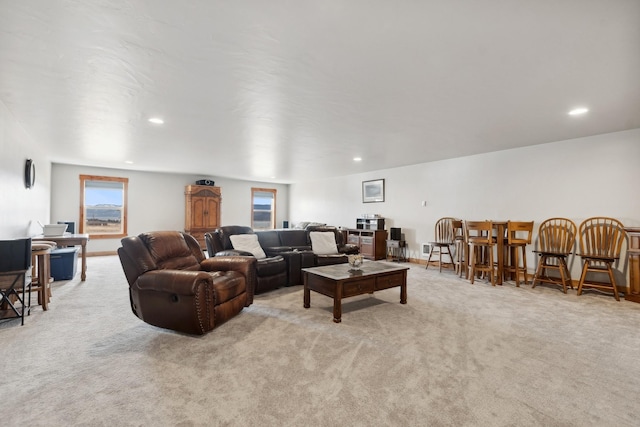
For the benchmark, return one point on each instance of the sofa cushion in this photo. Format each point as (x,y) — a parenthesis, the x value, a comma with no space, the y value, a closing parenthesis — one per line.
(247,243)
(331,259)
(296,239)
(269,239)
(170,251)
(323,242)
(271,266)
(227,285)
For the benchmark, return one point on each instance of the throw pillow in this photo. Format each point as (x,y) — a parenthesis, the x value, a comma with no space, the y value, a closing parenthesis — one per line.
(248,243)
(323,242)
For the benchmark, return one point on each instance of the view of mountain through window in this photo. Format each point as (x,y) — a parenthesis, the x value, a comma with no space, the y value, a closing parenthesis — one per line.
(263,208)
(103,208)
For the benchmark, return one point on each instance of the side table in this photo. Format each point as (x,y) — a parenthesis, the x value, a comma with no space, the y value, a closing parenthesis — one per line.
(397,250)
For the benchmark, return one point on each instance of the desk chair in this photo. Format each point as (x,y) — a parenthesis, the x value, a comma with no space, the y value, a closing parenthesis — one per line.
(556,238)
(15,261)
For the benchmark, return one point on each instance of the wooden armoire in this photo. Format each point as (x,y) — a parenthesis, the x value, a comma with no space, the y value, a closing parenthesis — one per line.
(202,210)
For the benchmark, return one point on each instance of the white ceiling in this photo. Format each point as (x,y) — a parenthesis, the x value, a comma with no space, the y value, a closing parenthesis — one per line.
(255,89)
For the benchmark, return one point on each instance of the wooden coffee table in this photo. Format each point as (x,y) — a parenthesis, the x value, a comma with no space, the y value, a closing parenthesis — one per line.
(340,281)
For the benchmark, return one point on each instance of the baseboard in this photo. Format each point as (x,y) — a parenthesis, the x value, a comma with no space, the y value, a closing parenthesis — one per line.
(103,253)
(421,261)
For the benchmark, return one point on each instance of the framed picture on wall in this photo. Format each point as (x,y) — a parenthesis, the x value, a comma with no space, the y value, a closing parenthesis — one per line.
(373,191)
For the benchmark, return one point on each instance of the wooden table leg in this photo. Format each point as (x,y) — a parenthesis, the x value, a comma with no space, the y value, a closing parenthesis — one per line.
(307,293)
(83,274)
(500,245)
(337,303)
(403,289)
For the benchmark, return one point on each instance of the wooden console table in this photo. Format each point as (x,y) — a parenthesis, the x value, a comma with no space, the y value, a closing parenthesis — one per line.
(634,264)
(71,240)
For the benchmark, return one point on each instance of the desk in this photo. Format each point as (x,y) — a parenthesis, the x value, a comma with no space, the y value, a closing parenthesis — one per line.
(71,240)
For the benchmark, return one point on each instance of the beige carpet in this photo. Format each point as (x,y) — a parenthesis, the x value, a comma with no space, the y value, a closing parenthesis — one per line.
(456,354)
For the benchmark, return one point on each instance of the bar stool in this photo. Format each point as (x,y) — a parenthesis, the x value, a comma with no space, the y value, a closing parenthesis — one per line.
(518,237)
(459,244)
(480,240)
(41,271)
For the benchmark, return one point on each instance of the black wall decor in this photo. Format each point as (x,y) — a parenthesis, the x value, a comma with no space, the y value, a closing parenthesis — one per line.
(29,173)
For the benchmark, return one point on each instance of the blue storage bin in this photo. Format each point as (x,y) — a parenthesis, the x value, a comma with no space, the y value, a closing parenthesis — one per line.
(63,263)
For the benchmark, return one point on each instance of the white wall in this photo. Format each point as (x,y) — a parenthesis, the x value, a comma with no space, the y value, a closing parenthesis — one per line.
(21,208)
(579,178)
(156,200)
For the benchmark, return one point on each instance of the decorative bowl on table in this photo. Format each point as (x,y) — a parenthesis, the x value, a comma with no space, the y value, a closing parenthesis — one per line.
(52,230)
(355,261)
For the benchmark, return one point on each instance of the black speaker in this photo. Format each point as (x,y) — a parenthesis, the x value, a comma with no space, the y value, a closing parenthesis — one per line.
(285,224)
(205,182)
(396,234)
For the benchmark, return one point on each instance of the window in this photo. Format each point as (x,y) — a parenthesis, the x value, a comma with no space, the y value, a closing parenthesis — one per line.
(103,206)
(263,208)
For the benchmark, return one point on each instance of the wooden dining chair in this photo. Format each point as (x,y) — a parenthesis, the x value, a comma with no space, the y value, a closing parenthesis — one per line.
(601,241)
(518,237)
(556,239)
(480,239)
(444,239)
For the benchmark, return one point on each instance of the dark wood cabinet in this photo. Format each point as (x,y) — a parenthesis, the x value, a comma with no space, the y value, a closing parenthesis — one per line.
(372,243)
(634,264)
(202,210)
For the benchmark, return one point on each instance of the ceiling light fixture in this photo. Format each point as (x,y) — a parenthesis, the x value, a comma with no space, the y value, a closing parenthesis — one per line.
(357,159)
(578,111)
(156,120)
(129,162)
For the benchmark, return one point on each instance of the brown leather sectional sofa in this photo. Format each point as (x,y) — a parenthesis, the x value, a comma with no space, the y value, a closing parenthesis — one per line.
(294,245)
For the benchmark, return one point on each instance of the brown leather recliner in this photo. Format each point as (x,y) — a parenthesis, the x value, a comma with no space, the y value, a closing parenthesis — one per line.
(271,272)
(173,286)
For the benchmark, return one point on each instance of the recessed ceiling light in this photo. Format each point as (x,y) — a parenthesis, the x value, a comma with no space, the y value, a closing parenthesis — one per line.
(578,111)
(129,162)
(156,120)
(357,159)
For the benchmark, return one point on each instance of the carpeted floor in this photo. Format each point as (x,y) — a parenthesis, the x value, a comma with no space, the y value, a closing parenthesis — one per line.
(456,354)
